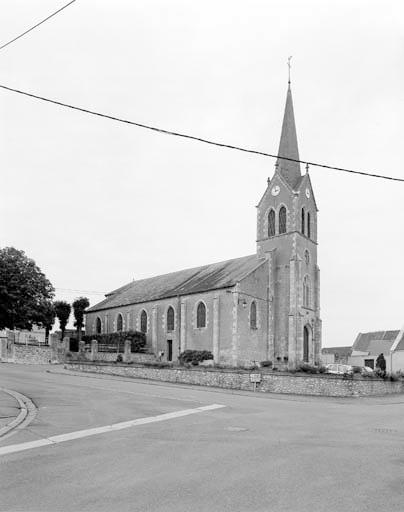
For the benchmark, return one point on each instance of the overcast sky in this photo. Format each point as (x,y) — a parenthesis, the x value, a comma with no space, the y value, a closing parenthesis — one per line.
(97,203)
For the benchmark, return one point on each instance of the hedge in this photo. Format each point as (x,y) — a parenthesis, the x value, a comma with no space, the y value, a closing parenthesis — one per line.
(194,356)
(137,339)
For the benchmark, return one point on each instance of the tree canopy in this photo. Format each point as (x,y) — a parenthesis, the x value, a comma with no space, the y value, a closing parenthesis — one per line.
(79,306)
(25,292)
(62,310)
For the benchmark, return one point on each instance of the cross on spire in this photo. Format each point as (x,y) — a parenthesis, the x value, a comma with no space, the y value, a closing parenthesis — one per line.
(289,66)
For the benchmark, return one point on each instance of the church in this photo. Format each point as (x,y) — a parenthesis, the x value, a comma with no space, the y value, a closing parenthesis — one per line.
(262,307)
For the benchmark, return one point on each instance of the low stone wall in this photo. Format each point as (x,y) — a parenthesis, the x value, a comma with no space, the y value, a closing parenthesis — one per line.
(31,354)
(110,357)
(321,385)
(11,352)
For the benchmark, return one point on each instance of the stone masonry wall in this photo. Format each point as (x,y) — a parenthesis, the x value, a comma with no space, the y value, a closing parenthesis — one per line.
(321,385)
(31,354)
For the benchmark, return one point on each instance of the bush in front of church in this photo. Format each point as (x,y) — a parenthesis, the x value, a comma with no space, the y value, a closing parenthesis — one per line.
(310,368)
(194,357)
(112,339)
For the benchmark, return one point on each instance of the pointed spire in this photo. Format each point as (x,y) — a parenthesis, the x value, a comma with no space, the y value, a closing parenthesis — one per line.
(288,143)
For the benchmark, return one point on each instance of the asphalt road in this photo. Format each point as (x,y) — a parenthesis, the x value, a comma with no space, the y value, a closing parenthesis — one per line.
(258,453)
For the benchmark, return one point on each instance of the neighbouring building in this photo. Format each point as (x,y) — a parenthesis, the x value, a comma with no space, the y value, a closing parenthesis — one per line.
(265,306)
(369,345)
(330,355)
(36,336)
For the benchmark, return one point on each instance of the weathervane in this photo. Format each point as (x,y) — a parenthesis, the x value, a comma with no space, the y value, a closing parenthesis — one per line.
(289,69)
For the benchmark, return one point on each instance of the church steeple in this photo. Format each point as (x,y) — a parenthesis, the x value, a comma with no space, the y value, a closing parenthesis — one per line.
(288,144)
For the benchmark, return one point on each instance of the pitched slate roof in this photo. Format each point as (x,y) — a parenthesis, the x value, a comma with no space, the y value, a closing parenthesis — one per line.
(374,341)
(184,282)
(288,145)
(341,351)
(399,341)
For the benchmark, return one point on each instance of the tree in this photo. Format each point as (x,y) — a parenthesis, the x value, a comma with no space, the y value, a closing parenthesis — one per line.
(24,290)
(46,316)
(62,310)
(79,306)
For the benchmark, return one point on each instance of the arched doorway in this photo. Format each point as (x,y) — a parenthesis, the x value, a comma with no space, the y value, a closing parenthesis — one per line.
(306,342)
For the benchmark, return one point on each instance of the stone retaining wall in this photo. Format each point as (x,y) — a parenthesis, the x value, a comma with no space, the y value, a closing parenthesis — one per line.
(322,385)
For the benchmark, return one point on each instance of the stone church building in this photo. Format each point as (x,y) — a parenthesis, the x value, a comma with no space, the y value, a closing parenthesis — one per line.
(255,308)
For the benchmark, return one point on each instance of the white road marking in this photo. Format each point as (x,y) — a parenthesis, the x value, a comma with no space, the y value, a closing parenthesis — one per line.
(61,438)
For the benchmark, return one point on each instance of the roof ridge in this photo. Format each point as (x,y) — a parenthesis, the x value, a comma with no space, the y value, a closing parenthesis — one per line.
(217,275)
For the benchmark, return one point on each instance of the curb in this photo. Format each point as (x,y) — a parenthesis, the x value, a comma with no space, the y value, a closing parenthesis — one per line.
(27,411)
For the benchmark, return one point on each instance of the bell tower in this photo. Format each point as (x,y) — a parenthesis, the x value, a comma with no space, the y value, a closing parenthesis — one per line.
(287,237)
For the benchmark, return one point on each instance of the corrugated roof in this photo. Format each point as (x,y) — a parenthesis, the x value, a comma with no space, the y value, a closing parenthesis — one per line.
(365,341)
(184,282)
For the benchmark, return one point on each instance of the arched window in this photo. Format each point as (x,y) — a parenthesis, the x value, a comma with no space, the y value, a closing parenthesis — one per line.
(119,323)
(271,223)
(306,292)
(308,225)
(143,321)
(307,257)
(98,325)
(282,220)
(201,315)
(253,315)
(170,319)
(302,223)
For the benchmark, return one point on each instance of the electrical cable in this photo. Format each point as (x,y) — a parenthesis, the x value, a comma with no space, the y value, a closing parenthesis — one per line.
(198,139)
(37,25)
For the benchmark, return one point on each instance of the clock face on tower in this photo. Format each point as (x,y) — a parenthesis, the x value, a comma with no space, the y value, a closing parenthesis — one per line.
(307,193)
(275,190)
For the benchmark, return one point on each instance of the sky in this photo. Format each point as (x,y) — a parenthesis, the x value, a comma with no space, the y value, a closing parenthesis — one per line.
(97,203)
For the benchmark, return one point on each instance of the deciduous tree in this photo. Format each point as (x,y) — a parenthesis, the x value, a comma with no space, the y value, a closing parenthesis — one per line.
(62,310)
(24,290)
(79,306)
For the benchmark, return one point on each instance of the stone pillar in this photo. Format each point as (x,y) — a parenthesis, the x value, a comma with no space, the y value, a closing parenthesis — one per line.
(154,330)
(127,354)
(3,346)
(94,350)
(53,343)
(216,323)
(183,337)
(66,343)
(82,347)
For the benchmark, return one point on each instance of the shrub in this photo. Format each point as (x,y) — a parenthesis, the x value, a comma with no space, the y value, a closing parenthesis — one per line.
(137,339)
(321,369)
(119,358)
(194,356)
(308,368)
(266,364)
(393,377)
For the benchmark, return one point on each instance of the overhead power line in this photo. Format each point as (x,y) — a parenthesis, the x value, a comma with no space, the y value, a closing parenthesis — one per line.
(198,139)
(37,25)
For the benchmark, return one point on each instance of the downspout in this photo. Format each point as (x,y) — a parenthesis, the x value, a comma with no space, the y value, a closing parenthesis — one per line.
(179,323)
